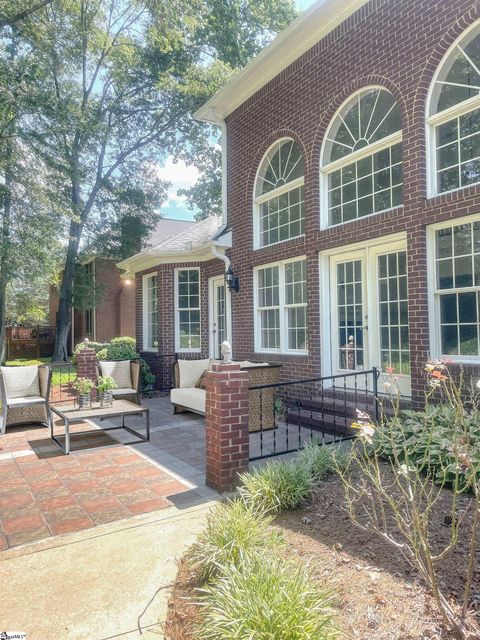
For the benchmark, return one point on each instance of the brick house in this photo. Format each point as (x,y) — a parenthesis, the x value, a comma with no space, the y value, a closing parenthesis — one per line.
(351,200)
(114,315)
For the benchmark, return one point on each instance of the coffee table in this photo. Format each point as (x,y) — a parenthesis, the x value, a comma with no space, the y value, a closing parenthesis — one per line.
(120,408)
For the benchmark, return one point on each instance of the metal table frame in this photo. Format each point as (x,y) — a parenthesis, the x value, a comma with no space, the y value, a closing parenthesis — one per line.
(70,419)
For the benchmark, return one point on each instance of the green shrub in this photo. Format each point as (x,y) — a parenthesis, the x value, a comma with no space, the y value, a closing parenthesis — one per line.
(276,486)
(124,348)
(432,440)
(266,599)
(96,346)
(321,460)
(233,531)
(125,341)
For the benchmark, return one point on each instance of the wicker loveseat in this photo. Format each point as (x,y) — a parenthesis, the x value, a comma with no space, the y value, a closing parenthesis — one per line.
(189,393)
(126,374)
(25,393)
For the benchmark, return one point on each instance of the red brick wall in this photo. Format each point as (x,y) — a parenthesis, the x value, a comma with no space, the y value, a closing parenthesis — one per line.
(166,307)
(397,44)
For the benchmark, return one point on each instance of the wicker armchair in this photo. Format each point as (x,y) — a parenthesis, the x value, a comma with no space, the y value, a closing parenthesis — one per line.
(126,374)
(25,393)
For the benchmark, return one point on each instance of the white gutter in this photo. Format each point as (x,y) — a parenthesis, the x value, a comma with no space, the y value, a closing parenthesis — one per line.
(322,17)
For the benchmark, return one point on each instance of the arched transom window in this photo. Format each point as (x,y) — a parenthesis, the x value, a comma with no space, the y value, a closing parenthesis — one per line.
(362,158)
(454,117)
(279,199)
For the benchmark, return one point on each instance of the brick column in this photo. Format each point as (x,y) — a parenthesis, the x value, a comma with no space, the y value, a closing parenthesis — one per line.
(226,425)
(86,361)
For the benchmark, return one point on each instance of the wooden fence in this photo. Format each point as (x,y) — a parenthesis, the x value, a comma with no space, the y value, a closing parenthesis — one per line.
(30,342)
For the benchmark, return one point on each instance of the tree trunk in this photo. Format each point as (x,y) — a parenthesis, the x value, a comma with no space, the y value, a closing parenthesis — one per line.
(64,313)
(4,256)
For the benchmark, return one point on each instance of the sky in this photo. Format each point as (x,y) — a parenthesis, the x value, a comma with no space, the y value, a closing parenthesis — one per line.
(182,176)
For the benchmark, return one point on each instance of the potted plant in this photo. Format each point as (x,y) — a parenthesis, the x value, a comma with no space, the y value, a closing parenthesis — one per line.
(105,385)
(84,388)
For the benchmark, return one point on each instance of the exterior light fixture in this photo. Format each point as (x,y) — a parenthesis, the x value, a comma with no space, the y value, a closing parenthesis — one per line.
(232,280)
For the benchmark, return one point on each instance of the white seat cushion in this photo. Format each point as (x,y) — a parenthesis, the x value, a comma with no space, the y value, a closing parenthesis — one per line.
(190,371)
(189,398)
(21,382)
(123,392)
(119,370)
(17,402)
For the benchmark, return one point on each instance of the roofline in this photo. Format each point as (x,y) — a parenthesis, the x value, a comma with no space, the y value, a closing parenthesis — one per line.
(149,258)
(322,17)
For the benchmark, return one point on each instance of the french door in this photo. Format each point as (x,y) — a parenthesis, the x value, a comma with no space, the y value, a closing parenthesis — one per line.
(219,315)
(369,313)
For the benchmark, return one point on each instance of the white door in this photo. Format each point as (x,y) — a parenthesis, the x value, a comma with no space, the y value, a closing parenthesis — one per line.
(369,314)
(219,319)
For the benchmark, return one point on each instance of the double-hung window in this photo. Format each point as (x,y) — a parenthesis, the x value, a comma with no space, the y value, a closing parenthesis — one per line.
(187,310)
(150,312)
(456,290)
(281,307)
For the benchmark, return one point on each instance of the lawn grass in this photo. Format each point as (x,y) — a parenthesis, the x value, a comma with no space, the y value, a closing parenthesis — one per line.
(60,374)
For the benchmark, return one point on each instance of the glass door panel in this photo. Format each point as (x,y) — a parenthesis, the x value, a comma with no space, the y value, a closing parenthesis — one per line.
(218,316)
(393,312)
(348,320)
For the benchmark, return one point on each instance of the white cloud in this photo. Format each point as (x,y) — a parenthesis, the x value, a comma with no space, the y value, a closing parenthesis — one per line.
(179,175)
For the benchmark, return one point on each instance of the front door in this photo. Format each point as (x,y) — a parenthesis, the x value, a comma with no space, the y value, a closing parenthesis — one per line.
(218,319)
(369,313)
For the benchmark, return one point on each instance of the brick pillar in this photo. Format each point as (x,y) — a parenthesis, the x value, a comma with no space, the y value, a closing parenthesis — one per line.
(226,425)
(86,361)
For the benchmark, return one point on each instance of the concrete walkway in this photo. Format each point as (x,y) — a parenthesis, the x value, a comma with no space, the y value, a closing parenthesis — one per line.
(109,582)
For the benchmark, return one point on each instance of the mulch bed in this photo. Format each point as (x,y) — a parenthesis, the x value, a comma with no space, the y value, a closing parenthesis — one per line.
(379,596)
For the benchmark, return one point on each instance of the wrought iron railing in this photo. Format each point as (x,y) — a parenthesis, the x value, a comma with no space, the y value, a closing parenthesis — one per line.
(161,365)
(285,415)
(63,375)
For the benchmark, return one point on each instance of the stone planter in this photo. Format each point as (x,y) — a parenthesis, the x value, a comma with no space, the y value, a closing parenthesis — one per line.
(84,400)
(106,399)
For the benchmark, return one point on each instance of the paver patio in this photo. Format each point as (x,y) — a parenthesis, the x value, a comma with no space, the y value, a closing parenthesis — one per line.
(106,477)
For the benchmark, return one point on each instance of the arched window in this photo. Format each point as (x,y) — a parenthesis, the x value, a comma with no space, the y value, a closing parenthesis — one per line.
(362,158)
(279,199)
(454,117)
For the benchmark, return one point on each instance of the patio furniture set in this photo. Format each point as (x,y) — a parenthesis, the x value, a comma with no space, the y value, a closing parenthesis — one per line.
(25,397)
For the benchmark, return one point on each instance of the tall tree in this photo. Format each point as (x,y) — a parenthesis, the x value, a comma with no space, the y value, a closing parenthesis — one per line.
(231,32)
(13,12)
(26,218)
(115,84)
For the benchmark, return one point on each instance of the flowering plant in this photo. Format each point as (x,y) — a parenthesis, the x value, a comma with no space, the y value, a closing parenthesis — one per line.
(83,386)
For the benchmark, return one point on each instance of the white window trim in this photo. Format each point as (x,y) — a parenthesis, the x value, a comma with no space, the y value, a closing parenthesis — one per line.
(258,200)
(327,168)
(282,306)
(395,242)
(179,349)
(145,333)
(212,282)
(434,296)
(433,121)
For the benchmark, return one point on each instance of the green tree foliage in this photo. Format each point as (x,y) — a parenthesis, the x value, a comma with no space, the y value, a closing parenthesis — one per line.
(232,32)
(116,84)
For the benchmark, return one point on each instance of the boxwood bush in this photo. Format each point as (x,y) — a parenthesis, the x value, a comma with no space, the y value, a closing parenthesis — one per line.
(122,348)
